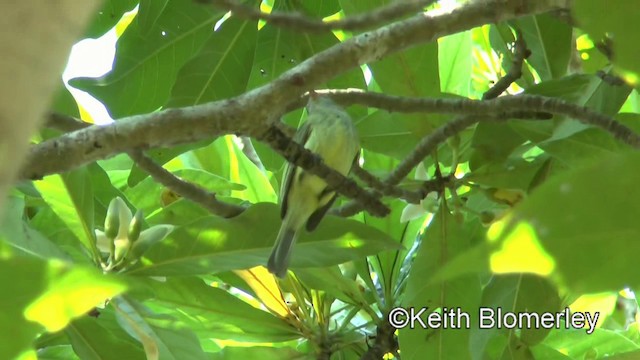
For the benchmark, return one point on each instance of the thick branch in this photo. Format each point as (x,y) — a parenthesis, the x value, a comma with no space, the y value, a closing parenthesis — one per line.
(183,188)
(247,114)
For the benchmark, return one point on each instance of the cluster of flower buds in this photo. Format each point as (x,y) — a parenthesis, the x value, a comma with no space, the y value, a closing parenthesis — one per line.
(123,238)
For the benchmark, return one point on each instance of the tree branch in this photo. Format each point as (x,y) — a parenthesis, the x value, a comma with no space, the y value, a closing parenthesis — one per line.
(247,114)
(237,115)
(520,53)
(368,20)
(183,188)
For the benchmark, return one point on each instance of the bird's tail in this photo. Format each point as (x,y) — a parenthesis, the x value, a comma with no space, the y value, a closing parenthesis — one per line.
(281,253)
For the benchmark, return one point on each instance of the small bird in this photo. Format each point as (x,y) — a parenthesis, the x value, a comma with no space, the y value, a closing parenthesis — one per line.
(305,198)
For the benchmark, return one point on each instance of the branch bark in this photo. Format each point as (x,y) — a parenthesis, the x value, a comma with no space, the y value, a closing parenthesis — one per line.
(250,114)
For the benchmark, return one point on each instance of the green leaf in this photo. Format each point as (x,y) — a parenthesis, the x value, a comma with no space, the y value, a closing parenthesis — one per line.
(90,340)
(243,171)
(580,345)
(108,16)
(70,196)
(333,282)
(444,238)
(160,336)
(590,16)
(456,60)
(148,14)
(65,103)
(32,275)
(145,67)
(215,313)
(58,352)
(219,70)
(542,351)
(257,352)
(72,292)
(385,133)
(492,144)
(516,294)
(566,213)
(22,237)
(211,244)
(388,264)
(512,174)
(550,42)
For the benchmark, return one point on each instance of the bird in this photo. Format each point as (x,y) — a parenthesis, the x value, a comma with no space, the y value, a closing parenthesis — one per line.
(305,198)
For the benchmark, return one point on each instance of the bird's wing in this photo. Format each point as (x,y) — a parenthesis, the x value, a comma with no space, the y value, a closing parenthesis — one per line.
(317,215)
(301,137)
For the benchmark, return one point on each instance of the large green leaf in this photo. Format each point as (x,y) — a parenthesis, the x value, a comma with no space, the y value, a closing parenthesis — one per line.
(71,292)
(388,264)
(385,133)
(46,295)
(148,13)
(70,196)
(24,279)
(92,341)
(108,16)
(456,61)
(550,43)
(444,239)
(146,66)
(22,237)
(160,336)
(492,144)
(516,293)
(580,345)
(592,207)
(212,244)
(590,15)
(217,313)
(219,70)
(257,352)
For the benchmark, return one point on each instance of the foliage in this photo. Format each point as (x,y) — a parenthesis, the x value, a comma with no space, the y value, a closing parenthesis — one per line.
(103,262)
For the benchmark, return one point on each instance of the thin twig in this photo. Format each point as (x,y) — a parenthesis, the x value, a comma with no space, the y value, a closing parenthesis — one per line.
(426,145)
(520,53)
(298,21)
(522,106)
(413,197)
(184,188)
